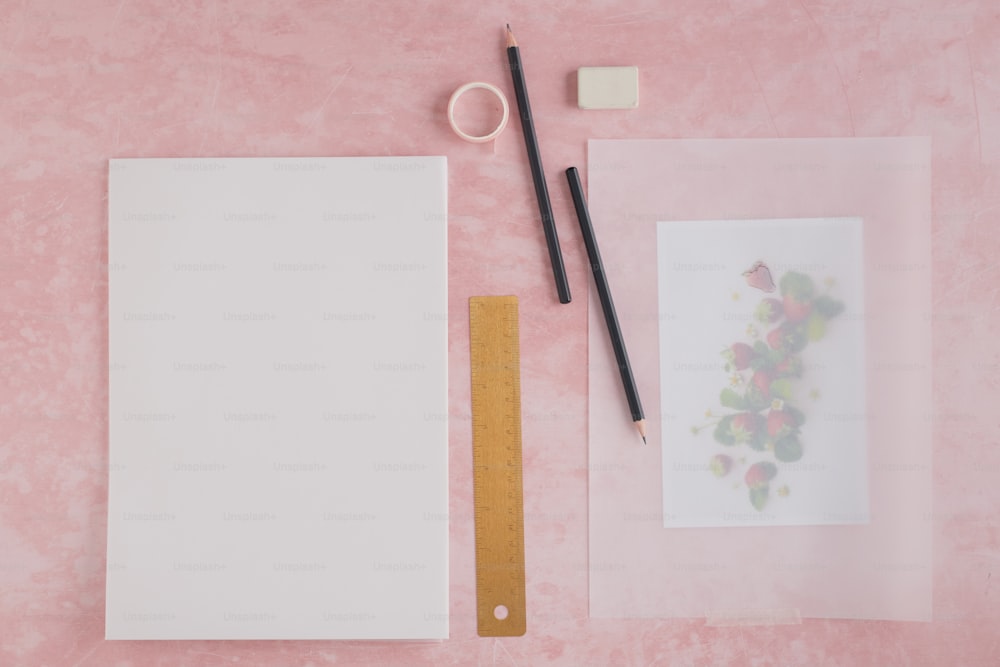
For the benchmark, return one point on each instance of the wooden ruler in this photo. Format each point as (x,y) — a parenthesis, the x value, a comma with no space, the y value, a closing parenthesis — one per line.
(496,465)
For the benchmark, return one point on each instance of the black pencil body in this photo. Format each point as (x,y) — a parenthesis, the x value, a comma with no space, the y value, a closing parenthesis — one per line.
(535,160)
(604,292)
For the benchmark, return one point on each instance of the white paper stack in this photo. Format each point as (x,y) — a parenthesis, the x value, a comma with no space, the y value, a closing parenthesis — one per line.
(278,399)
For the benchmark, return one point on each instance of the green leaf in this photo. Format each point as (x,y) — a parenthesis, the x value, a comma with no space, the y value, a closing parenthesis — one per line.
(775,357)
(827,307)
(816,327)
(758,440)
(731,399)
(798,416)
(796,339)
(788,449)
(781,389)
(759,496)
(760,347)
(756,400)
(723,433)
(796,284)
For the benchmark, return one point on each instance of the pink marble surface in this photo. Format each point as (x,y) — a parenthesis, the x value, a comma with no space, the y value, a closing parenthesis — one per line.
(80,83)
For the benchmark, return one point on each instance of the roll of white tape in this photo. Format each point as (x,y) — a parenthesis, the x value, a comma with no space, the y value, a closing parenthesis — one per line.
(486,137)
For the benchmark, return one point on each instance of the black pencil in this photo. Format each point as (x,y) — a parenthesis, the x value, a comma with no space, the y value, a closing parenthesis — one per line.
(607,304)
(535,160)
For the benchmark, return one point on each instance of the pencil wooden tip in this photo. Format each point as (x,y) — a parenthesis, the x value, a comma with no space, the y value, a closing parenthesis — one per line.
(510,37)
(641,427)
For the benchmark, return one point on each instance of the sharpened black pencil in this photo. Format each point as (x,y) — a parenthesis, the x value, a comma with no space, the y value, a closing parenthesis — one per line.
(607,304)
(535,160)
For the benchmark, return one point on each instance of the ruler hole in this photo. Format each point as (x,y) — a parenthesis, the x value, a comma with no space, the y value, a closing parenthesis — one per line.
(500,612)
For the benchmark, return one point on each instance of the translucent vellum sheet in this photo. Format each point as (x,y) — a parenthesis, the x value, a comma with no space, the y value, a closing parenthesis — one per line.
(859,557)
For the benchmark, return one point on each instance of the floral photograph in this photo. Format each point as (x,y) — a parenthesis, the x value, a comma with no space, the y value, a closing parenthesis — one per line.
(762,372)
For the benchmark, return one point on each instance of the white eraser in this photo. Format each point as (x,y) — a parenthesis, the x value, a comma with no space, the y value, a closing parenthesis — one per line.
(607,87)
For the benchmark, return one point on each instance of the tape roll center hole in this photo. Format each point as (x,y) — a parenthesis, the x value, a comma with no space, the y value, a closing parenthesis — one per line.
(500,612)
(478,112)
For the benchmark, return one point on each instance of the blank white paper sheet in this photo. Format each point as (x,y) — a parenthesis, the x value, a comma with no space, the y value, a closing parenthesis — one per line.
(278,399)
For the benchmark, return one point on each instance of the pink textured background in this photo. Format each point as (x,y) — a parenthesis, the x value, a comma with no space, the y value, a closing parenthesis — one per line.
(128,78)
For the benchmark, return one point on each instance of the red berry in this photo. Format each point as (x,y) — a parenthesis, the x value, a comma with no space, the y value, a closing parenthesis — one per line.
(779,423)
(776,339)
(720,465)
(746,427)
(762,381)
(759,474)
(742,355)
(789,366)
(795,310)
(747,421)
